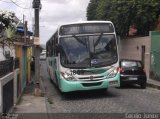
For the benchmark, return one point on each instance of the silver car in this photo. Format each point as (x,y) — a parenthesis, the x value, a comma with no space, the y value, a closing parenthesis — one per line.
(43,56)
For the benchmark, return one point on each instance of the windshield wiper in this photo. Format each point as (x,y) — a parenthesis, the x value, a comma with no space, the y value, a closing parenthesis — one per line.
(96,43)
(79,40)
(85,44)
(99,38)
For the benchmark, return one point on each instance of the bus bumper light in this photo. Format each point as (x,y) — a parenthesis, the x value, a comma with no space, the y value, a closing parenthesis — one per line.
(113,82)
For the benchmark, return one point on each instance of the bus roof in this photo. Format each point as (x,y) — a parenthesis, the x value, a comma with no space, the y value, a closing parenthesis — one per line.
(85,22)
(79,22)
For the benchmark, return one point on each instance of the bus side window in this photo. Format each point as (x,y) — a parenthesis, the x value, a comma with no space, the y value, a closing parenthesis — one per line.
(55,43)
(47,49)
(51,48)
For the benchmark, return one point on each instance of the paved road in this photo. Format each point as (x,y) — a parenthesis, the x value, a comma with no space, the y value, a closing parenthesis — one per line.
(130,99)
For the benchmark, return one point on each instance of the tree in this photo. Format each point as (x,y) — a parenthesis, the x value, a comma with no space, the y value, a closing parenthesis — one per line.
(141,14)
(6,20)
(91,9)
(7,26)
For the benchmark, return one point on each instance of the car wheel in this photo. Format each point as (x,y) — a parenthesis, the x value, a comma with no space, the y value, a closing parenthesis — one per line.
(143,85)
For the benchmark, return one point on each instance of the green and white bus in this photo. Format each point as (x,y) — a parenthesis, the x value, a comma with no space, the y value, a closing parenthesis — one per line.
(84,56)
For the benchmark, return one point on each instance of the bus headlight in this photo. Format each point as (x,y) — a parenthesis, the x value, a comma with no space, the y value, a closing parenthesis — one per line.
(113,73)
(67,76)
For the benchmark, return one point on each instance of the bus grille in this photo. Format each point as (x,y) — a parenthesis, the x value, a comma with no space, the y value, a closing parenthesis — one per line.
(92,84)
(95,78)
(92,72)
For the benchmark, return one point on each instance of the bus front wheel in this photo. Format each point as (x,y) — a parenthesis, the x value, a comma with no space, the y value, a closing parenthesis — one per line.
(104,90)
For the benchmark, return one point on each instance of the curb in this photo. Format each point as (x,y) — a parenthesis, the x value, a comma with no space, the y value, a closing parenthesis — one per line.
(153,85)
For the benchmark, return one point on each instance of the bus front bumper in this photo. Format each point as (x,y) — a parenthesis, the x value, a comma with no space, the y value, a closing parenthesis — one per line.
(69,86)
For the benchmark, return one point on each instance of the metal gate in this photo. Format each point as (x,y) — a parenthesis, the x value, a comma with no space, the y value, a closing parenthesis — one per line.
(6,67)
(8,96)
(155,56)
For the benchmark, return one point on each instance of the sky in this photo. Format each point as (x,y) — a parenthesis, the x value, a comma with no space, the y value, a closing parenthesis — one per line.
(52,14)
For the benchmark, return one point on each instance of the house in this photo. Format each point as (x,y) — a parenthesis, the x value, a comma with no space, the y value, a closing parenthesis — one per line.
(14,68)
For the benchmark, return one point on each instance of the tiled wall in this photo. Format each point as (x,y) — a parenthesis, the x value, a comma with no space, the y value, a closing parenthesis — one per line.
(131,49)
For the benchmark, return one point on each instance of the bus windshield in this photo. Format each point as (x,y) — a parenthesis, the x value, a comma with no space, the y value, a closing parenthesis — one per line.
(88,51)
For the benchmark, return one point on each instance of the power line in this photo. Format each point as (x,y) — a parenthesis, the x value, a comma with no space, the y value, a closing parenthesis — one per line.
(5,1)
(11,1)
(19,5)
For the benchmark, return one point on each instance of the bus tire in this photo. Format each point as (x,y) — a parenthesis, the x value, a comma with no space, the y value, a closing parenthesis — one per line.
(57,85)
(50,80)
(50,77)
(56,80)
(104,90)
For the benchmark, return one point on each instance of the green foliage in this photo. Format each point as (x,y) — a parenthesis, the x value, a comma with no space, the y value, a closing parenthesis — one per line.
(6,20)
(143,14)
(7,26)
(91,9)
(9,33)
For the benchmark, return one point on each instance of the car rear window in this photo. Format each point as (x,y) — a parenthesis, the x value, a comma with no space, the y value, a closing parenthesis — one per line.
(127,64)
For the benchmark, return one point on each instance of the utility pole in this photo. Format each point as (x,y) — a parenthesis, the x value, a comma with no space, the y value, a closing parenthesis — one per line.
(37,7)
(25,28)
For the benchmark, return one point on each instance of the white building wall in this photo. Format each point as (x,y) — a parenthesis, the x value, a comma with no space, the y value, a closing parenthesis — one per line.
(11,49)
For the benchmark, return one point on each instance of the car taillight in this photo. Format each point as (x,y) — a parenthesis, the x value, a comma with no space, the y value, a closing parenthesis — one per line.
(121,69)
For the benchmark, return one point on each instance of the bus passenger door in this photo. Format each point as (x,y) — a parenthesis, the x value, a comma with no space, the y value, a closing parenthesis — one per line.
(50,68)
(54,68)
